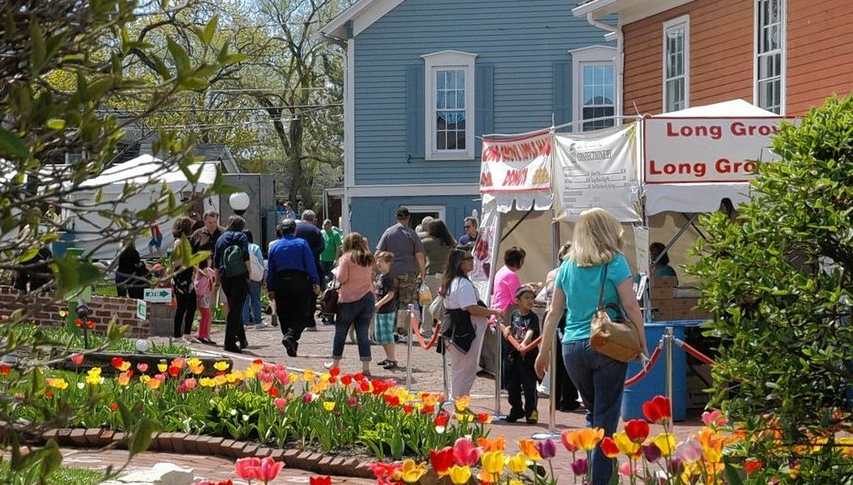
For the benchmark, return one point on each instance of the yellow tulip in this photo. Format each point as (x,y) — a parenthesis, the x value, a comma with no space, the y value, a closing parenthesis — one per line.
(124,366)
(221,366)
(587,438)
(93,376)
(625,445)
(144,379)
(528,447)
(516,481)
(666,443)
(194,362)
(493,462)
(196,369)
(462,403)
(57,383)
(308,375)
(412,472)
(219,380)
(162,367)
(518,463)
(460,475)
(329,405)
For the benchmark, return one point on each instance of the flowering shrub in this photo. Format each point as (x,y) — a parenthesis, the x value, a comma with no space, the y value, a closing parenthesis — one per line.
(266,403)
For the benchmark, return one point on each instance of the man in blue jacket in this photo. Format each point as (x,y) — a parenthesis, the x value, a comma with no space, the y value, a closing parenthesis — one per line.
(231,262)
(307,229)
(293,283)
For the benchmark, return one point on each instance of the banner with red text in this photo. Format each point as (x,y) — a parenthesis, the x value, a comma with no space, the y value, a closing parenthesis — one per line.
(597,169)
(706,150)
(518,164)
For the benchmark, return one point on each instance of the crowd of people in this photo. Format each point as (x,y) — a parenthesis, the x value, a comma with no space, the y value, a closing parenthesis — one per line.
(376,288)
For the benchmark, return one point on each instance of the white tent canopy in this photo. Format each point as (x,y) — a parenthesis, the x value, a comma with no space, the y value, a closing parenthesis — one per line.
(703,197)
(144,169)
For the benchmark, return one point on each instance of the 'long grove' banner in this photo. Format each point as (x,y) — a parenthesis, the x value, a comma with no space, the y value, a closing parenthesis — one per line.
(516,164)
(702,150)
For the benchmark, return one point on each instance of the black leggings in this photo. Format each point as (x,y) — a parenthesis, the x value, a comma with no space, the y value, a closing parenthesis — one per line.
(185,314)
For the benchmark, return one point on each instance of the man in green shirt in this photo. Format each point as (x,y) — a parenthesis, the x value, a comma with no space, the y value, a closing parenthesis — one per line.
(332,251)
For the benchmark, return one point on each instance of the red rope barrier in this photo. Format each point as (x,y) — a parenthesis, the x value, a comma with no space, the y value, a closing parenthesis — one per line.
(646,368)
(695,353)
(522,349)
(416,329)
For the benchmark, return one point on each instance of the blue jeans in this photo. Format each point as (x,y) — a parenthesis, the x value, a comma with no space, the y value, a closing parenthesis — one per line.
(600,381)
(252,307)
(356,313)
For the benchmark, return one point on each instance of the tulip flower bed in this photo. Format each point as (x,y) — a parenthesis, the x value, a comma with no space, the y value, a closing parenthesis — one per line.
(265,403)
(718,454)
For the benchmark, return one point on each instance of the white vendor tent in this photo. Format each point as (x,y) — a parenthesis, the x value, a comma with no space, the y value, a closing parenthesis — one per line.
(142,170)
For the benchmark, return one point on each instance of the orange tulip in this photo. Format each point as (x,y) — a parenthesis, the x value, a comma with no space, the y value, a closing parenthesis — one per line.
(528,447)
(587,438)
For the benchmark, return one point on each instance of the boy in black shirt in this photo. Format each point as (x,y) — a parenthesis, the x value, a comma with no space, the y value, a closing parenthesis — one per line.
(523,325)
(386,309)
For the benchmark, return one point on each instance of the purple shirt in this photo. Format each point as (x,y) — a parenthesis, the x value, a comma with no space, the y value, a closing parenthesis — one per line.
(506,282)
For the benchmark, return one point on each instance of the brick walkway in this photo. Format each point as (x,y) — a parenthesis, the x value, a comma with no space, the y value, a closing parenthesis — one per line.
(315,349)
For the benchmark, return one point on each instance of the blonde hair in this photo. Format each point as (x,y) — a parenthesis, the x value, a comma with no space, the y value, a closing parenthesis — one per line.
(597,238)
(385,256)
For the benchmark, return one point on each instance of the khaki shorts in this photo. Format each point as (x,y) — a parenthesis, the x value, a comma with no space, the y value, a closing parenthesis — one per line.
(405,291)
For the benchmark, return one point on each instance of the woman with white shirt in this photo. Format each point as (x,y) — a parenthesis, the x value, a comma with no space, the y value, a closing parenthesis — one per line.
(465,321)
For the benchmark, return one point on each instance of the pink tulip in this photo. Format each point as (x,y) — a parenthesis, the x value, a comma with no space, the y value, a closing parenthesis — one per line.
(465,453)
(714,418)
(626,470)
(142,367)
(689,451)
(280,402)
(270,469)
(248,468)
(77,359)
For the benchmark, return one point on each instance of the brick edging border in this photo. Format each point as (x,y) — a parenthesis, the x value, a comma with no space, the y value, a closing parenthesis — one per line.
(213,445)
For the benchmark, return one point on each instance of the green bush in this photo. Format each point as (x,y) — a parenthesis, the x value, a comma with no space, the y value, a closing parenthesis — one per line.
(778,281)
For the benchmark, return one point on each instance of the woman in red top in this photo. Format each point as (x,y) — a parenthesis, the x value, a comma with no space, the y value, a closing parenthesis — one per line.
(356,301)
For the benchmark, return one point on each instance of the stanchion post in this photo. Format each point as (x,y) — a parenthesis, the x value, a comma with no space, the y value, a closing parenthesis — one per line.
(668,336)
(552,404)
(498,363)
(409,348)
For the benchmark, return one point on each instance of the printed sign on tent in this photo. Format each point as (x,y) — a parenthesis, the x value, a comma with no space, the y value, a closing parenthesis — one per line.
(702,150)
(516,164)
(482,252)
(597,170)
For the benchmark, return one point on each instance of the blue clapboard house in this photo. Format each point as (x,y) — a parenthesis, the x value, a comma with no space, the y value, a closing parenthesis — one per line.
(424,79)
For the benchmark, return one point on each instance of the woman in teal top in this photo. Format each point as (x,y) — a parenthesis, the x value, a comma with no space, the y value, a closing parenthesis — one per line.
(600,380)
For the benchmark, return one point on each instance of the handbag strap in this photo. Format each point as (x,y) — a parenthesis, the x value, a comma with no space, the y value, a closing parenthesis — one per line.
(601,291)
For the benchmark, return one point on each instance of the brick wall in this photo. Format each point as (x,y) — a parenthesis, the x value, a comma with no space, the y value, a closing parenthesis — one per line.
(46,312)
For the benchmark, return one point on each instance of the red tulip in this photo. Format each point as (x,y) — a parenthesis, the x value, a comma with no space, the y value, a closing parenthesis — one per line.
(174,371)
(273,391)
(346,379)
(442,460)
(751,465)
(637,430)
(657,410)
(248,468)
(441,419)
(5,369)
(77,359)
(327,480)
(117,362)
(90,324)
(359,376)
(608,446)
(335,372)
(565,437)
(407,408)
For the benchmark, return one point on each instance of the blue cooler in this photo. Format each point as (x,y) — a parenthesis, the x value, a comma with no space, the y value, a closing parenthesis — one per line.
(654,383)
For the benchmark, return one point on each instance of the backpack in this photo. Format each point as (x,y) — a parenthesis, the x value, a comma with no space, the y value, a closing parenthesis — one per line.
(232,261)
(257,273)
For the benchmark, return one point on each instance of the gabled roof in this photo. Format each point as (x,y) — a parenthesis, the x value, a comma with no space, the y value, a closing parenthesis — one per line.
(362,14)
(628,10)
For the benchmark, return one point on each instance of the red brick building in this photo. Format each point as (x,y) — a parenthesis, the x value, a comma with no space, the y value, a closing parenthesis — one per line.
(782,55)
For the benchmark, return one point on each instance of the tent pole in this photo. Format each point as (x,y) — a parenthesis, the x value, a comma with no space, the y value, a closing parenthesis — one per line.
(496,246)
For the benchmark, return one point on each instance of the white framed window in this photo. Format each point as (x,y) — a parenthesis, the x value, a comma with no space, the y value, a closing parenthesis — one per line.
(769,65)
(594,87)
(449,87)
(676,64)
